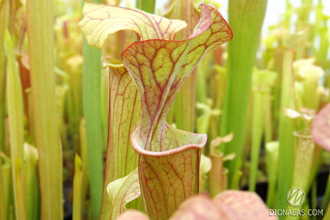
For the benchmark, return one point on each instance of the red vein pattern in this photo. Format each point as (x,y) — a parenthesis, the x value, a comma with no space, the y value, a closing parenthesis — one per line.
(100,20)
(321,128)
(169,158)
(166,181)
(123,115)
(159,69)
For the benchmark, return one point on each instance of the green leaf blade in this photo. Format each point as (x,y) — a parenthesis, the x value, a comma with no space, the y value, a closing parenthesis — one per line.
(286,128)
(16,125)
(116,18)
(122,191)
(40,20)
(246,19)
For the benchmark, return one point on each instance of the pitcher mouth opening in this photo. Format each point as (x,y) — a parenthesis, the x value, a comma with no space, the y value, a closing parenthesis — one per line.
(140,150)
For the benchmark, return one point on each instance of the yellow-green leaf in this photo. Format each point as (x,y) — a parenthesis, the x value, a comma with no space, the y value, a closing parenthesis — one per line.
(122,191)
(205,167)
(124,102)
(32,190)
(100,20)
(16,124)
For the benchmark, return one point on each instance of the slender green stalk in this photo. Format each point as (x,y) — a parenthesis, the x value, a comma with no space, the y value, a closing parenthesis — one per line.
(203,121)
(16,124)
(235,184)
(268,121)
(92,112)
(201,76)
(146,5)
(248,125)
(32,190)
(2,194)
(6,194)
(93,120)
(259,100)
(74,96)
(262,81)
(316,165)
(272,169)
(30,112)
(77,190)
(4,17)
(20,211)
(314,197)
(205,167)
(286,128)
(217,181)
(245,19)
(40,16)
(302,164)
(322,30)
(105,86)
(303,24)
(276,92)
(84,161)
(218,89)
(185,105)
(61,92)
(218,174)
(201,85)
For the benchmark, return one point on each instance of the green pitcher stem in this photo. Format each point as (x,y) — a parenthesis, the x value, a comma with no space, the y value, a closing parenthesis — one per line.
(286,128)
(246,19)
(40,17)
(304,145)
(218,175)
(272,169)
(93,120)
(303,159)
(259,101)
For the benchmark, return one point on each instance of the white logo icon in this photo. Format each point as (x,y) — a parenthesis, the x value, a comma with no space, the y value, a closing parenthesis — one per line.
(295,197)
